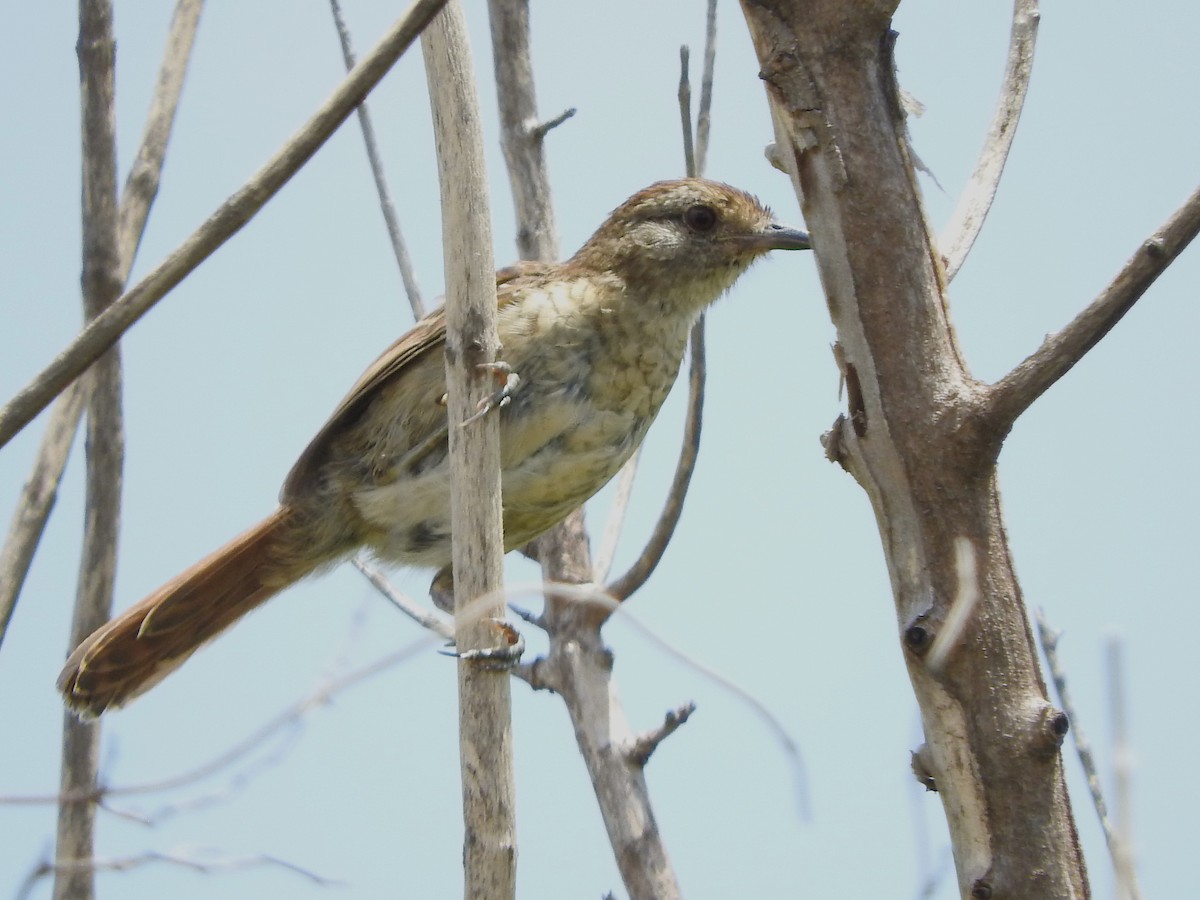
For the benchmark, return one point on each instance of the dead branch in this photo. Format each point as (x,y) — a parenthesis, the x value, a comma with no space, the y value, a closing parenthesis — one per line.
(1083,749)
(188,858)
(423,617)
(694,153)
(375,159)
(964,226)
(648,741)
(101,284)
(226,221)
(1016,391)
(992,736)
(40,490)
(484,695)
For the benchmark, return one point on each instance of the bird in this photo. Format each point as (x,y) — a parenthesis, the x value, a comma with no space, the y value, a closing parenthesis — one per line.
(596,341)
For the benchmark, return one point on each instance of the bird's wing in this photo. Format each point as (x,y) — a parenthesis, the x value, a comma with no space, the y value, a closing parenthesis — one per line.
(426,335)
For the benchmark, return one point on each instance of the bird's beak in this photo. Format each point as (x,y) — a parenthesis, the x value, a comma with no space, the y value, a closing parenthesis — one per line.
(775,237)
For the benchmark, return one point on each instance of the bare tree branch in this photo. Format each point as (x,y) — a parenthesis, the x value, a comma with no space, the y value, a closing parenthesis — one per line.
(1017,390)
(101,283)
(1123,862)
(484,695)
(965,224)
(141,186)
(522,135)
(41,489)
(37,499)
(704,118)
(228,219)
(646,743)
(685,113)
(992,735)
(387,207)
(423,617)
(189,858)
(1083,748)
(652,553)
(625,586)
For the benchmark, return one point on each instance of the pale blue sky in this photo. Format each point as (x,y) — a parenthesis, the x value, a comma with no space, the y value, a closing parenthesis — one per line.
(775,577)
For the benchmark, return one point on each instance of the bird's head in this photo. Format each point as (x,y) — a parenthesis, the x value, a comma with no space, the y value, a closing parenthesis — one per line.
(690,237)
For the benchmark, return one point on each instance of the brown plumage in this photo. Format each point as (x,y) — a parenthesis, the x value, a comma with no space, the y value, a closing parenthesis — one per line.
(597,341)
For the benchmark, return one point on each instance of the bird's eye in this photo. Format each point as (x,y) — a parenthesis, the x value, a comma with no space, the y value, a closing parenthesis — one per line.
(700,218)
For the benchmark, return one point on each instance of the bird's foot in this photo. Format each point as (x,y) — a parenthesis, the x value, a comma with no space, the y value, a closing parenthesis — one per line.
(508,380)
(499,658)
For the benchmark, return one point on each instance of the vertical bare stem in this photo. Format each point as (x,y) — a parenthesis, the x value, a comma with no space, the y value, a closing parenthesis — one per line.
(41,489)
(485,704)
(1122,849)
(390,219)
(523,140)
(105,439)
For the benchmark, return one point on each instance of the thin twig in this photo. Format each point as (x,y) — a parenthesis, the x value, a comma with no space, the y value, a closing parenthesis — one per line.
(41,488)
(1049,638)
(647,742)
(668,519)
(685,113)
(963,228)
(590,594)
(391,220)
(1123,864)
(228,219)
(521,135)
(423,617)
(1017,390)
(37,498)
(704,119)
(625,586)
(141,185)
(289,718)
(622,495)
(185,857)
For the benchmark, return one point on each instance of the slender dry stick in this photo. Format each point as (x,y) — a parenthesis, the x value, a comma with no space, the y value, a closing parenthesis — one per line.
(704,119)
(1017,390)
(141,185)
(74,879)
(228,219)
(684,97)
(1049,638)
(643,567)
(186,860)
(965,224)
(38,496)
(391,220)
(423,617)
(578,663)
(484,694)
(1123,864)
(289,718)
(522,135)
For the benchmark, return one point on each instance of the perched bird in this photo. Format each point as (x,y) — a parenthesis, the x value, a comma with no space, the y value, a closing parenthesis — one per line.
(597,342)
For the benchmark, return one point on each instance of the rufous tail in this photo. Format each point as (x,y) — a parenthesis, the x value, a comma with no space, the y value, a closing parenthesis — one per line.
(148,641)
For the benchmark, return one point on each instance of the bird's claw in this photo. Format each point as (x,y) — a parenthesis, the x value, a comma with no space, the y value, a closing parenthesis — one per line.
(509,382)
(501,658)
